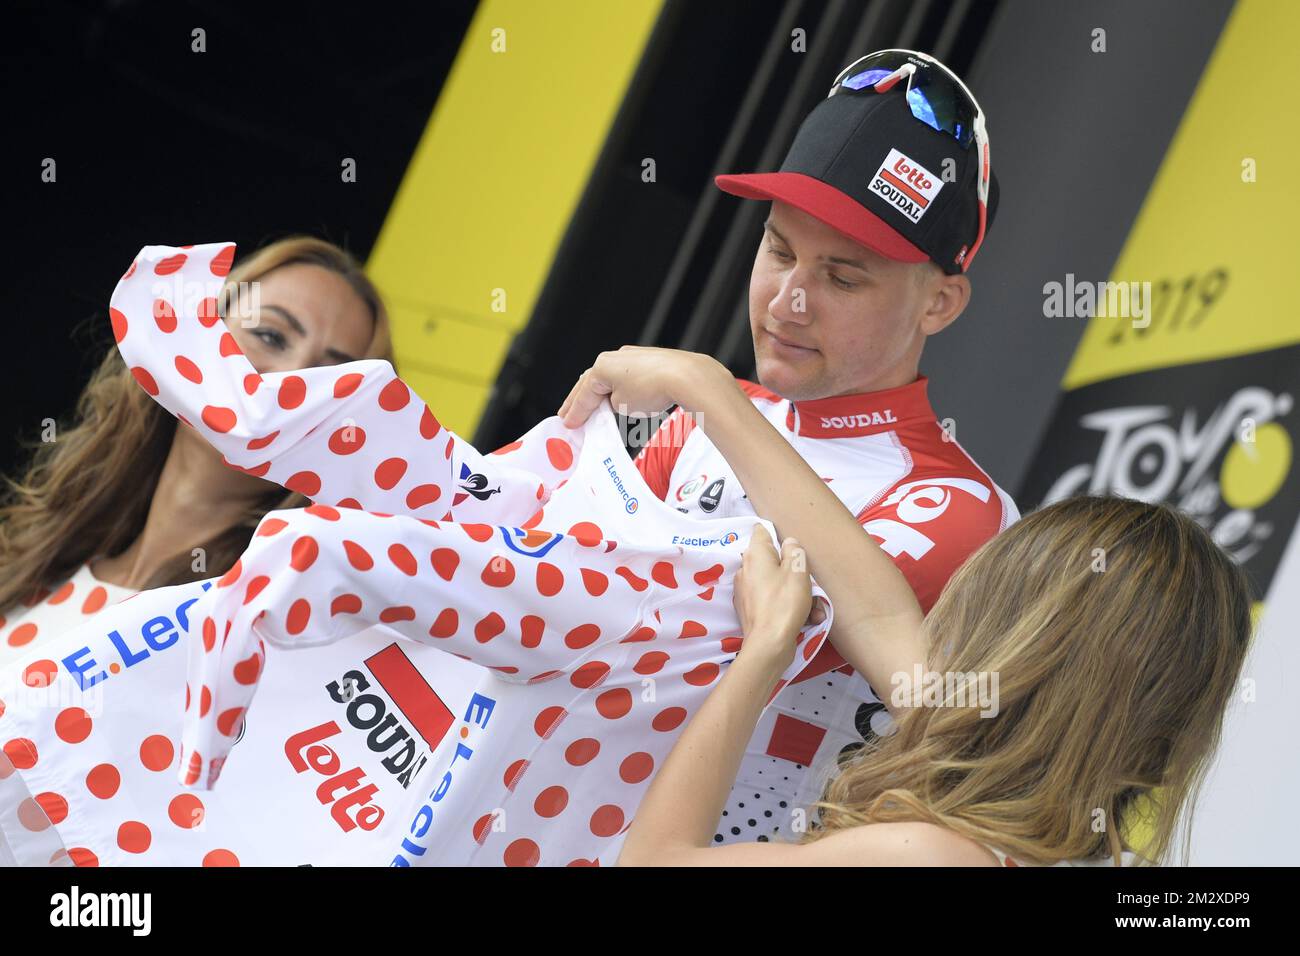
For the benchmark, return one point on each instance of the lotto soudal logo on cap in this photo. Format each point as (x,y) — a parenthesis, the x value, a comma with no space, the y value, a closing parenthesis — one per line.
(906,185)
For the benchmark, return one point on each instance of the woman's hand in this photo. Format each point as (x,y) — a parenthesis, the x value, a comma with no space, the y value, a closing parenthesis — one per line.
(773,597)
(640,381)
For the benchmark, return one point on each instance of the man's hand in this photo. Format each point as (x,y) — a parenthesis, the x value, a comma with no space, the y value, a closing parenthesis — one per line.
(641,381)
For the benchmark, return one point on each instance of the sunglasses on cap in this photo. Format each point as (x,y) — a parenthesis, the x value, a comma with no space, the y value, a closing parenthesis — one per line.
(937,98)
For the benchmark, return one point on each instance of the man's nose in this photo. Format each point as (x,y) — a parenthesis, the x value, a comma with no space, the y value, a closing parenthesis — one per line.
(790,304)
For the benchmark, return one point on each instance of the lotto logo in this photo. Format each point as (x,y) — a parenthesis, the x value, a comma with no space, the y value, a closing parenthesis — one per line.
(906,185)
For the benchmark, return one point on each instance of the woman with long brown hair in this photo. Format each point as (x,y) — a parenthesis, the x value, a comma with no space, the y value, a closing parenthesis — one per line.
(1114,633)
(126,499)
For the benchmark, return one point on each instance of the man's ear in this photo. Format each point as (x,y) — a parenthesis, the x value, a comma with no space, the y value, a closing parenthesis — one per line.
(946,298)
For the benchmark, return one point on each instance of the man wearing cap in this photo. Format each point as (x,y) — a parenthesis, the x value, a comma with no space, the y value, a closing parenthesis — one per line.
(879,208)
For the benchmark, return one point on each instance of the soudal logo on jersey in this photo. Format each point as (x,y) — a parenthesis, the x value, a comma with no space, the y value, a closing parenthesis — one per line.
(530,542)
(906,185)
(866,419)
(411,696)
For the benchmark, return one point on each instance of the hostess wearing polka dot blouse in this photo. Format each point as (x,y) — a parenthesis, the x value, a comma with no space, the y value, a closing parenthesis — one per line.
(125,498)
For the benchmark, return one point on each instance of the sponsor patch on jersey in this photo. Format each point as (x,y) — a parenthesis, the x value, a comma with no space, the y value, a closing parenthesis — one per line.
(530,541)
(688,488)
(906,185)
(712,496)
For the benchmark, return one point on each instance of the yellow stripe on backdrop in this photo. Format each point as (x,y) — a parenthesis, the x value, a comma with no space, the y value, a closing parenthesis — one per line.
(1202,216)
(467,245)
(1216,238)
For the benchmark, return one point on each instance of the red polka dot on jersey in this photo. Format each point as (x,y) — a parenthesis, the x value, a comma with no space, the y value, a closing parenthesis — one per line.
(508,448)
(422,495)
(702,675)
(209,312)
(32,817)
(479,532)
(119,323)
(346,440)
(145,380)
(489,627)
(58,597)
(551,802)
(228,721)
(730,645)
(589,674)
(560,452)
(305,483)
(227,346)
(345,385)
(531,630)
(429,426)
(670,718)
(595,582)
(22,634)
(255,587)
(522,853)
(270,526)
(582,751)
(548,720)
(205,701)
(550,579)
(446,624)
(186,810)
(134,837)
(218,418)
(607,820)
(663,573)
(513,773)
(95,600)
(40,673)
(482,827)
(221,262)
(103,781)
(345,604)
(402,559)
(231,576)
(398,612)
(394,396)
(165,267)
(324,512)
(295,622)
(582,636)
(292,393)
(358,556)
(587,534)
(636,582)
(445,561)
(692,629)
(189,370)
(498,573)
(640,634)
(615,703)
(304,554)
(164,315)
(157,753)
(709,575)
(80,856)
(73,725)
(247,670)
(220,858)
(651,662)
(636,767)
(389,472)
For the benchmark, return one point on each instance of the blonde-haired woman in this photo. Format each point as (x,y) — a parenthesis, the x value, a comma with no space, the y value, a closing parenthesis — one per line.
(126,499)
(1110,694)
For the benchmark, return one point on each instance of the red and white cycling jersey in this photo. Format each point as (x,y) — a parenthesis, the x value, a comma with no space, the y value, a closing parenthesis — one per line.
(913,489)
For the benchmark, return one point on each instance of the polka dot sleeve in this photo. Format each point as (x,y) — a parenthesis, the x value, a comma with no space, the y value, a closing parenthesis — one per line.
(352,435)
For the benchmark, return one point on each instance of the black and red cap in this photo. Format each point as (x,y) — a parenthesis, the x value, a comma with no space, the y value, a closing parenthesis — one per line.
(865,166)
